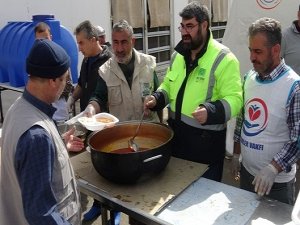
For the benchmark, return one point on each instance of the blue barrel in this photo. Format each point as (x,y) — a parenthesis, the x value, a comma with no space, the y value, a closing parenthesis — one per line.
(16,40)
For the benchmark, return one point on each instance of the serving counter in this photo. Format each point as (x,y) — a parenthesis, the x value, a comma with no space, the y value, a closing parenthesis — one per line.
(179,196)
(142,199)
(209,202)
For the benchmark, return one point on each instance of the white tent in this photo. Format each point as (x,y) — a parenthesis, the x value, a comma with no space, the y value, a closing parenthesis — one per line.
(242,14)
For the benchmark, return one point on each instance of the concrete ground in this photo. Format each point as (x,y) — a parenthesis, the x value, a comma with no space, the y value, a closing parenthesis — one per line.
(8,97)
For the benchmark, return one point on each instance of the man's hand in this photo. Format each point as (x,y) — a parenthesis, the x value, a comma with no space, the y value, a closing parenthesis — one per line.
(149,103)
(89,110)
(264,180)
(236,166)
(73,143)
(70,103)
(200,114)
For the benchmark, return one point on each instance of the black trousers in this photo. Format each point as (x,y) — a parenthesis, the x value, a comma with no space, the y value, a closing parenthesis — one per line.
(199,145)
(283,192)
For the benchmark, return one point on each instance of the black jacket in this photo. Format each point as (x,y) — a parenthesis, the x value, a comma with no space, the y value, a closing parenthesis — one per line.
(89,75)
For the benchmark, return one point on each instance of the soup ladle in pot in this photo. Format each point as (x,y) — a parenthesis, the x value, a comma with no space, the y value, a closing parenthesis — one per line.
(131,144)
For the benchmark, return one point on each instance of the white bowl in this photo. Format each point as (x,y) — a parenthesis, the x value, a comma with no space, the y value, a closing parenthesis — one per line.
(90,123)
(98,121)
(108,119)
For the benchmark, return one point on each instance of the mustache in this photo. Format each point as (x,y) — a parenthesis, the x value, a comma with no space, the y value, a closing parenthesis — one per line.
(186,36)
(120,53)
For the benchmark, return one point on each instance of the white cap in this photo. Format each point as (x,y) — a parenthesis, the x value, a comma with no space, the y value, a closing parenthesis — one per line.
(100,31)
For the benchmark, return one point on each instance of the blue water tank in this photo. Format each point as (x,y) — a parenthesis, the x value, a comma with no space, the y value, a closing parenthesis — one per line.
(16,40)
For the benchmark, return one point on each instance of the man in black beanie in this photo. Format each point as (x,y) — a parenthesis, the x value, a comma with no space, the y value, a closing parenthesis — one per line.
(43,31)
(37,179)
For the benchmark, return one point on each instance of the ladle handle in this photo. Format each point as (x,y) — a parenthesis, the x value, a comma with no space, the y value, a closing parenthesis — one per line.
(137,129)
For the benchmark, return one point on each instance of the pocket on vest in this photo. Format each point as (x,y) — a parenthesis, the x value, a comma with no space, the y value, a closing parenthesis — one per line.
(115,95)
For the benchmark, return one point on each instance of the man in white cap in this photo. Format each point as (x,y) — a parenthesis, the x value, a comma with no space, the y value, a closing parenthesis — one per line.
(102,37)
(37,182)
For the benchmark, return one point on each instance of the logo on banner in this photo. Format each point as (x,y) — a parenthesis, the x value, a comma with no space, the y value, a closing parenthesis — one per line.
(268,4)
(256,117)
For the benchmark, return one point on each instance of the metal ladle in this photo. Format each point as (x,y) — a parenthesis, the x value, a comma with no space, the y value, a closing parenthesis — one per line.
(131,144)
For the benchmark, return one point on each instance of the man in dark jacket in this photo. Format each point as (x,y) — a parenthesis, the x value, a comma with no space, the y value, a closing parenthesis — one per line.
(94,56)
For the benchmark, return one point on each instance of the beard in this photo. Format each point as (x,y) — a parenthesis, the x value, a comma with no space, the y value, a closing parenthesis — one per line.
(191,44)
(121,57)
(265,67)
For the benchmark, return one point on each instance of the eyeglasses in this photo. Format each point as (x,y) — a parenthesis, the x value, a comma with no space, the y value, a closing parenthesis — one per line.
(187,28)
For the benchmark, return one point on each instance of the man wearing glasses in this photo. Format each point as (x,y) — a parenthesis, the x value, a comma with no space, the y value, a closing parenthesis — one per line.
(203,89)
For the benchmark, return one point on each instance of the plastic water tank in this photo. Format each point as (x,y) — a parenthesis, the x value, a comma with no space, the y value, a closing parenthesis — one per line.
(16,40)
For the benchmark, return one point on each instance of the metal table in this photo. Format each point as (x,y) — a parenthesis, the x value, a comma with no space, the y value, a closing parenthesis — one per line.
(108,202)
(191,200)
(209,202)
(4,87)
(7,87)
(142,199)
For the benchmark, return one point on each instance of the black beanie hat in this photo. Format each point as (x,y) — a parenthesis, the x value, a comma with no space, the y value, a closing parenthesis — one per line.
(47,59)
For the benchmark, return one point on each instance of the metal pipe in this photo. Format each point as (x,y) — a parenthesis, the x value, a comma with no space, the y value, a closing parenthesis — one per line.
(145,30)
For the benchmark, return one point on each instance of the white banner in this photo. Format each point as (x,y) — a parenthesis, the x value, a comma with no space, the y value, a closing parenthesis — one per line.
(242,14)
(245,12)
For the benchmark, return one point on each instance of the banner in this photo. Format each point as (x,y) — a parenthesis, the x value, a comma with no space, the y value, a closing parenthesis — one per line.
(243,13)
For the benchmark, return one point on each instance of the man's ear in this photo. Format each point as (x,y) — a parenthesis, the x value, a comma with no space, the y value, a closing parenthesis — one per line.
(276,49)
(204,25)
(94,39)
(52,82)
(133,40)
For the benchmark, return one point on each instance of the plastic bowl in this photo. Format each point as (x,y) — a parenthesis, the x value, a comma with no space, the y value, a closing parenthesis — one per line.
(98,121)
(90,123)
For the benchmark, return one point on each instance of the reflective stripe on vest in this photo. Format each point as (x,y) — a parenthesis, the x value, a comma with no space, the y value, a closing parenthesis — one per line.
(192,121)
(212,80)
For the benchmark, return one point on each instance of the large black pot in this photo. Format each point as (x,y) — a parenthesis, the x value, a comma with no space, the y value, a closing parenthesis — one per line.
(153,140)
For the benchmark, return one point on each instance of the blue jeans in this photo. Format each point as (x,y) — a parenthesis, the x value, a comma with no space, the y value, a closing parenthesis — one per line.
(283,192)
